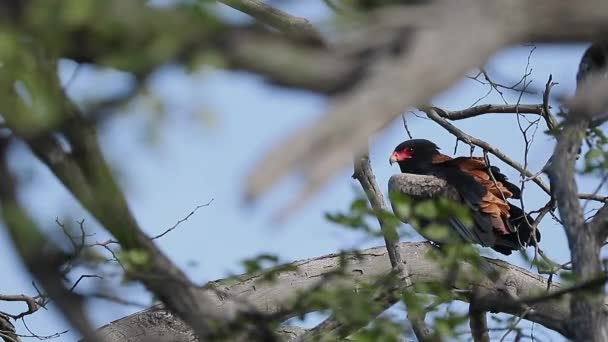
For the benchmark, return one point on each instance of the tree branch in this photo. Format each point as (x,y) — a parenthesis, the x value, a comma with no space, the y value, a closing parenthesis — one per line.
(588,314)
(546,112)
(364,174)
(32,304)
(275,297)
(298,29)
(599,223)
(478,324)
(492,108)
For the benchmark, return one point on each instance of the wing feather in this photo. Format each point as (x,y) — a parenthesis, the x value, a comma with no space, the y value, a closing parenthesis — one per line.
(494,202)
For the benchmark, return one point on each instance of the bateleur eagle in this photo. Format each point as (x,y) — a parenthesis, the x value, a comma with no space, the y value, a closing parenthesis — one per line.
(496,222)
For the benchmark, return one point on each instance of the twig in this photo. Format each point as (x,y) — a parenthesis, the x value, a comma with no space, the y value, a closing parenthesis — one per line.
(182,220)
(546,112)
(38,336)
(407,130)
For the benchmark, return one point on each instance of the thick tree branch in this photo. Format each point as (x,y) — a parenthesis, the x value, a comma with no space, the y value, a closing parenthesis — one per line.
(588,314)
(504,295)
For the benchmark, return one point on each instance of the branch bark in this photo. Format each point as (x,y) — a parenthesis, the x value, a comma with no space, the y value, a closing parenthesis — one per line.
(588,312)
(492,108)
(517,291)
(507,294)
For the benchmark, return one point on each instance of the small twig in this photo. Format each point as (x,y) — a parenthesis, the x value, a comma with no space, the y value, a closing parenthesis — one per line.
(514,325)
(182,220)
(40,337)
(546,113)
(407,130)
(82,277)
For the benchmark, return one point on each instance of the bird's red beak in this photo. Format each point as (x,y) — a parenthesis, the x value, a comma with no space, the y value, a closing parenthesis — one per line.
(398,156)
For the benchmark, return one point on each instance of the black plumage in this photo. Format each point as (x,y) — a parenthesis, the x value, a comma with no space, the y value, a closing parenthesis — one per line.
(497,223)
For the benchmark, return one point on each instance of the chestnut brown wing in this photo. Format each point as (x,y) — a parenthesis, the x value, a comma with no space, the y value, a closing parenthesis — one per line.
(494,202)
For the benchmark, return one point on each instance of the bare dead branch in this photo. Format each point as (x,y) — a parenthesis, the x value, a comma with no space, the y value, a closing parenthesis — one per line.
(546,112)
(490,109)
(364,174)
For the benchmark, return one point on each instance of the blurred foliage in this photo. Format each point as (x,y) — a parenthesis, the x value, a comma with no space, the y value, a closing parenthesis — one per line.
(128,35)
(432,215)
(596,158)
(134,260)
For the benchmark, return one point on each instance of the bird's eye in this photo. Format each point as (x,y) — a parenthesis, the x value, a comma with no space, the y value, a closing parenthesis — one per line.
(410,149)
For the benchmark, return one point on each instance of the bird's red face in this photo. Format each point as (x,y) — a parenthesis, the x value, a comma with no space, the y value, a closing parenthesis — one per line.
(401,155)
(412,154)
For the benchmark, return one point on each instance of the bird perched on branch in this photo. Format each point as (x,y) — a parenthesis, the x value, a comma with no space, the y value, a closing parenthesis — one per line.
(482,188)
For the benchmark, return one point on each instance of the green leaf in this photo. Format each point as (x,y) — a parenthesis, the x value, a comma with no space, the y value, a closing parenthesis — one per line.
(426,209)
(134,259)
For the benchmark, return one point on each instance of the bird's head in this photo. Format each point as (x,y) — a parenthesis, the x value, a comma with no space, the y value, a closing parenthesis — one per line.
(414,155)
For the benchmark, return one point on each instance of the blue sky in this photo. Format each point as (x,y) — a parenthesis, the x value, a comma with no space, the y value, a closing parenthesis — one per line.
(212,128)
